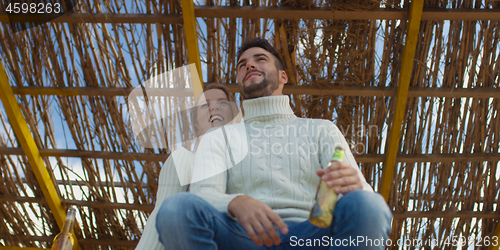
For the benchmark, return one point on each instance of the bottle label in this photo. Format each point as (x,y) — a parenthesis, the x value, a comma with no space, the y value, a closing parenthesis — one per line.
(67,245)
(322,213)
(63,243)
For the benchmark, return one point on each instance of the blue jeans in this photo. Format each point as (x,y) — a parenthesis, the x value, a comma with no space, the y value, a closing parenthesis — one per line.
(362,220)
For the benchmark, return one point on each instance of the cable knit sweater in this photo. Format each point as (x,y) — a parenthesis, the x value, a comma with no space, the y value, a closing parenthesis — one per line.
(275,155)
(179,163)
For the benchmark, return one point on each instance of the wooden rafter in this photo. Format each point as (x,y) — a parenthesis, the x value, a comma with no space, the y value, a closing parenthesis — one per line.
(497,234)
(363,158)
(21,248)
(260,12)
(95,18)
(149,208)
(413,29)
(25,139)
(289,89)
(189,18)
(82,241)
(324,13)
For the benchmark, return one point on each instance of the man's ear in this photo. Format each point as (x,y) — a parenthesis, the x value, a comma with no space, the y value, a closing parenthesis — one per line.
(283,78)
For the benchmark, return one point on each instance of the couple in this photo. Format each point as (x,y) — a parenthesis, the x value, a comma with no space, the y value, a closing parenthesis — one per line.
(264,198)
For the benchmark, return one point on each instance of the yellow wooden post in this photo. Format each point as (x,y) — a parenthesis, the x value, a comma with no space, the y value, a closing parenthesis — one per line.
(402,95)
(25,138)
(495,244)
(192,42)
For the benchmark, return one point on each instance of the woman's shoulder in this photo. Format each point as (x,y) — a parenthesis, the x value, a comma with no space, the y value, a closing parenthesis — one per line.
(180,156)
(182,151)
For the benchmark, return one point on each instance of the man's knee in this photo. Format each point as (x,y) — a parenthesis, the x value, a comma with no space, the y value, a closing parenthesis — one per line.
(365,205)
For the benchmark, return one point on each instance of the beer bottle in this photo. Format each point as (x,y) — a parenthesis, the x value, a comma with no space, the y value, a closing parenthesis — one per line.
(322,212)
(66,239)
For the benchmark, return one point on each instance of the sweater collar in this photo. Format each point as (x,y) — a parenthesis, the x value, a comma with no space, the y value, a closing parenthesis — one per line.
(268,107)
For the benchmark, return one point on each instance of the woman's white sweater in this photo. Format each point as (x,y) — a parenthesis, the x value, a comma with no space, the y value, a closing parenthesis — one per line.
(180,161)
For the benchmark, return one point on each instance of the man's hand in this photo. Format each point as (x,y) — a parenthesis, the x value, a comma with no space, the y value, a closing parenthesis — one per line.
(256,216)
(342,176)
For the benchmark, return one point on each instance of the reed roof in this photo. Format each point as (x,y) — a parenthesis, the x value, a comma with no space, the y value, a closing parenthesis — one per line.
(343,67)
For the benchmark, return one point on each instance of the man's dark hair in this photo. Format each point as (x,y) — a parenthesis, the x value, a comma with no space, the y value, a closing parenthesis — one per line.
(261,43)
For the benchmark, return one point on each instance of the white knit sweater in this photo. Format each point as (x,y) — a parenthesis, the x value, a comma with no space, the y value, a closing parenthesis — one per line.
(179,162)
(276,156)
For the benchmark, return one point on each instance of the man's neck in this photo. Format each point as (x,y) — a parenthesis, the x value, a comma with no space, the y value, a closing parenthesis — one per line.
(267,106)
(273,94)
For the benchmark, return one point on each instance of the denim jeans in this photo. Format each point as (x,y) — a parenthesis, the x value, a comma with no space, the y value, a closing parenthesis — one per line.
(362,220)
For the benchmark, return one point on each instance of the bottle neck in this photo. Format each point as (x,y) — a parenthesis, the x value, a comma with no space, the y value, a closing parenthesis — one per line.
(68,222)
(68,225)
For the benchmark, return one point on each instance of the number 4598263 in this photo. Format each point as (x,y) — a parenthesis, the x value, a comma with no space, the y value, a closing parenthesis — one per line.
(33,8)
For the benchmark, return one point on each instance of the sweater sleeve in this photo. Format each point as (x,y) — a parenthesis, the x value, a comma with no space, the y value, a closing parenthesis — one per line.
(168,185)
(210,173)
(330,137)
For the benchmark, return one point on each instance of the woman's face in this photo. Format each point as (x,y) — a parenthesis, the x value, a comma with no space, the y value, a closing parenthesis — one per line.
(213,110)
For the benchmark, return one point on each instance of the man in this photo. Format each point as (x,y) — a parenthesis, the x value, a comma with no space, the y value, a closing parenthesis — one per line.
(274,166)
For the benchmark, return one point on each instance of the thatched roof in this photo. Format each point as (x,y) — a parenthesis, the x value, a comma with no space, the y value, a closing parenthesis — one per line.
(344,66)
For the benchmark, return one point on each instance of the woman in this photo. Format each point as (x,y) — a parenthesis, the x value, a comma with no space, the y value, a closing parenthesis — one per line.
(215,107)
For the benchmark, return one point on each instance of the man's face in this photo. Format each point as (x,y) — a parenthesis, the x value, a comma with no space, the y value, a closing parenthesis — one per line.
(258,75)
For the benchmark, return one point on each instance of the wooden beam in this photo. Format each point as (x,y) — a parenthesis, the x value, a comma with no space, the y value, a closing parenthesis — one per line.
(112,205)
(95,18)
(95,91)
(432,158)
(25,138)
(191,32)
(325,13)
(390,91)
(288,90)
(260,12)
(445,214)
(149,208)
(360,158)
(117,184)
(20,248)
(292,13)
(83,241)
(89,154)
(461,15)
(80,203)
(110,242)
(454,92)
(410,46)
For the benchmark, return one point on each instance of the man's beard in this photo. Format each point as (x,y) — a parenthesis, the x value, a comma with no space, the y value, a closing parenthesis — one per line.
(264,88)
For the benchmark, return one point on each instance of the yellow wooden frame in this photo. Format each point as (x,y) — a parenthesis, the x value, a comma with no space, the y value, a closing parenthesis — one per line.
(189,18)
(25,138)
(413,28)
